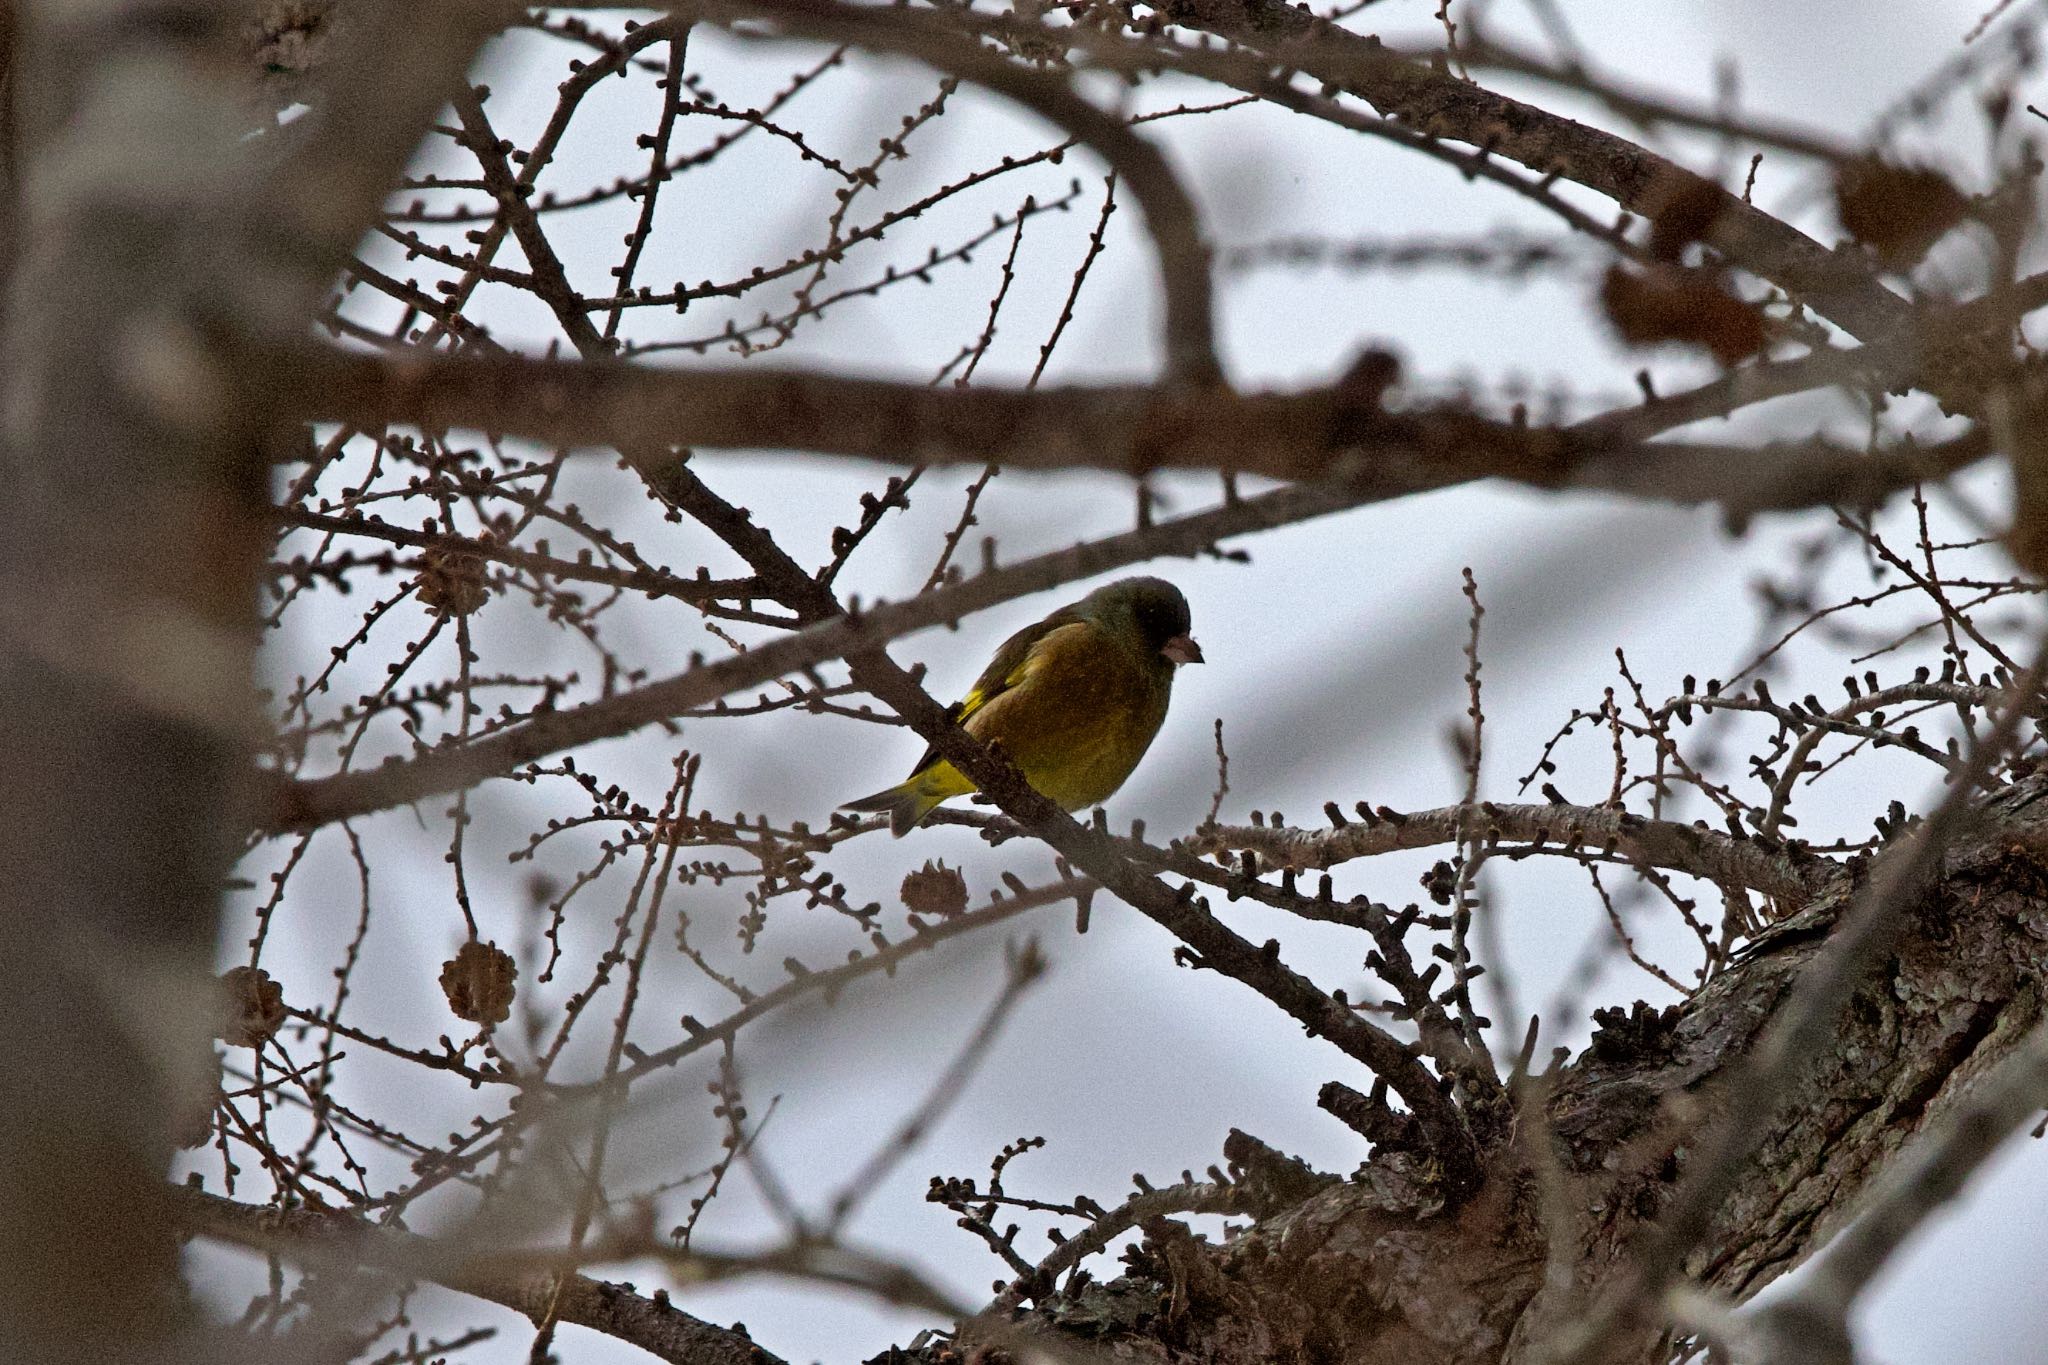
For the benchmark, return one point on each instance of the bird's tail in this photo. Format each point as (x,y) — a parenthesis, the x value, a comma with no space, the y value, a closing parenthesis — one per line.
(909,802)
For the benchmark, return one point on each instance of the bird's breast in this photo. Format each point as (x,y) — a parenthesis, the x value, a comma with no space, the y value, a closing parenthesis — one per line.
(1080,719)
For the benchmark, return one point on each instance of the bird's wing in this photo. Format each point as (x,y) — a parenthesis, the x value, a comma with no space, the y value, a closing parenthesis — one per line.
(1009,667)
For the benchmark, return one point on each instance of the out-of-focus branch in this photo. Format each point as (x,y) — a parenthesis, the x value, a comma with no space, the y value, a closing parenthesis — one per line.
(1567,830)
(1938,346)
(1645,107)
(132,544)
(1434,101)
(392,69)
(530,1285)
(1339,433)
(1128,428)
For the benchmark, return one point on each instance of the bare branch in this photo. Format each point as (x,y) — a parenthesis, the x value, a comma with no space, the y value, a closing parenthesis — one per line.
(1568,831)
(530,1285)
(307,803)
(1763,1078)
(1436,102)
(1339,434)
(1170,214)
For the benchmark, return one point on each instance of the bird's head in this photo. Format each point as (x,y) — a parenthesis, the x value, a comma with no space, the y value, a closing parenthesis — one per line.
(1148,610)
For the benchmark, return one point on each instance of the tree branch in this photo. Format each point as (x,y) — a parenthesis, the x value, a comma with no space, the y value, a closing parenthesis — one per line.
(1369,1271)
(132,544)
(1338,433)
(1170,216)
(339,1241)
(307,803)
(1568,830)
(1434,101)
(1928,1175)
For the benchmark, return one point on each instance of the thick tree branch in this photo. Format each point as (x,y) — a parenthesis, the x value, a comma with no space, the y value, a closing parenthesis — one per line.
(1338,434)
(343,1242)
(1369,1272)
(1927,1176)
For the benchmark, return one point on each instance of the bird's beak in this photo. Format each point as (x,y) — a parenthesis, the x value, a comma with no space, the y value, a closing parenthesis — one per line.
(1182,649)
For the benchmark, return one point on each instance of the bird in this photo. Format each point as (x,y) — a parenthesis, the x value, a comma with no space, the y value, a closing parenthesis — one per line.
(1074,700)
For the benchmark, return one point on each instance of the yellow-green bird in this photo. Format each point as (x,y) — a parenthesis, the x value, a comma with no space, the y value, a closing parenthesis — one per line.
(1074,701)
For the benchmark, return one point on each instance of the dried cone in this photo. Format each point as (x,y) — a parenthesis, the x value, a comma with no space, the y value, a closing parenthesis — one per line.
(1686,207)
(1671,303)
(451,578)
(252,1007)
(935,890)
(289,37)
(478,982)
(1899,212)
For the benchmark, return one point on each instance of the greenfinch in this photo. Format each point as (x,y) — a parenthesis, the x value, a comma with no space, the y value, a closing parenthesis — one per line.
(1074,701)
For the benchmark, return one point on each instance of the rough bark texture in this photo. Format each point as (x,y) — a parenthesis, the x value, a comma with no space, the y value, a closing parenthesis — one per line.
(1373,1269)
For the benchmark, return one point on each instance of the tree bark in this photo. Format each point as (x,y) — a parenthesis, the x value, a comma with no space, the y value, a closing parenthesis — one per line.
(129,553)
(1373,1271)
(148,228)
